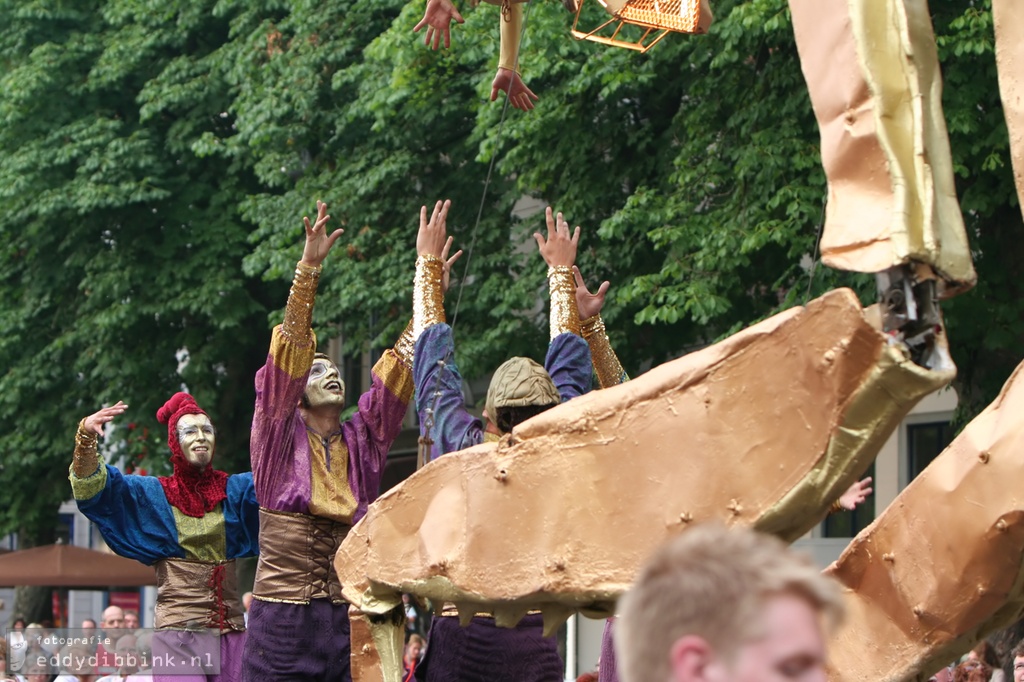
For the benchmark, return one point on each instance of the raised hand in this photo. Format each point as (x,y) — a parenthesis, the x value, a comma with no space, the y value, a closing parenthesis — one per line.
(446,270)
(856,494)
(588,304)
(560,247)
(519,96)
(430,240)
(94,423)
(318,242)
(438,20)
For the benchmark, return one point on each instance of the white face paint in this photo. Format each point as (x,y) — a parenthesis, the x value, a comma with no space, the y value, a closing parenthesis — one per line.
(324,385)
(197,438)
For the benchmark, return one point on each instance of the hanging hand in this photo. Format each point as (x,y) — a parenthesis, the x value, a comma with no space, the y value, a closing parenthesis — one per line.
(519,96)
(438,19)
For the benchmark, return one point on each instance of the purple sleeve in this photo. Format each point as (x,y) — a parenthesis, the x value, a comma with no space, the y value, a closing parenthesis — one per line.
(439,388)
(280,478)
(371,431)
(568,363)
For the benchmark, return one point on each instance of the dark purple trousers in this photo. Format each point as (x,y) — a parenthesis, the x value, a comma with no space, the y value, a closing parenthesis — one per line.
(293,642)
(483,652)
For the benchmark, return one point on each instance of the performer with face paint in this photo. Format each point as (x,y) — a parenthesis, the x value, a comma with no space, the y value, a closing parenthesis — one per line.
(191,526)
(314,476)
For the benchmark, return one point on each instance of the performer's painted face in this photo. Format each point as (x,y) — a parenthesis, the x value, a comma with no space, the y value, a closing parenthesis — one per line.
(196,437)
(324,386)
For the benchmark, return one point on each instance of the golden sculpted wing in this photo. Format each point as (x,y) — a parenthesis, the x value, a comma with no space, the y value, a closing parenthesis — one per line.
(764,429)
(943,565)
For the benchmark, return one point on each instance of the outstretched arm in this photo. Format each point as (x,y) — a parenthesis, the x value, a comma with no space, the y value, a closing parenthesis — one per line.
(508,79)
(854,495)
(606,363)
(126,509)
(86,458)
(281,381)
(559,252)
(438,20)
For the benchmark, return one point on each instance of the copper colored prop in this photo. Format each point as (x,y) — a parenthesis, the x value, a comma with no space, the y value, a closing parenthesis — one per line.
(764,429)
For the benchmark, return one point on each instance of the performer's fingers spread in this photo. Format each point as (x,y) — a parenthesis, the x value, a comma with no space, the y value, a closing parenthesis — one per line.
(309,228)
(576,235)
(423,217)
(446,247)
(540,240)
(451,261)
(550,221)
(603,289)
(334,237)
(579,278)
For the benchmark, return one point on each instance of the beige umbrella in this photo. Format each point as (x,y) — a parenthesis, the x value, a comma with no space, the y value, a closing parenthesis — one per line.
(69,566)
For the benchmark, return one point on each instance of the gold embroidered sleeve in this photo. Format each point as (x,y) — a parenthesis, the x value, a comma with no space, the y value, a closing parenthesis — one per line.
(606,363)
(86,458)
(427,297)
(406,345)
(86,474)
(564,316)
(298,314)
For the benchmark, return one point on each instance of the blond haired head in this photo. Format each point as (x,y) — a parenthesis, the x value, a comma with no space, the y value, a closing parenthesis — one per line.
(709,593)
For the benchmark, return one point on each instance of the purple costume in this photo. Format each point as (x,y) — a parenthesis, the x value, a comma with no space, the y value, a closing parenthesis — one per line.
(482,651)
(311,489)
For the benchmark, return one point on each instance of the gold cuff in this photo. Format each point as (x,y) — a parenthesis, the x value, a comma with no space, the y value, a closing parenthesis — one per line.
(606,363)
(86,458)
(427,297)
(298,313)
(564,316)
(836,507)
(405,346)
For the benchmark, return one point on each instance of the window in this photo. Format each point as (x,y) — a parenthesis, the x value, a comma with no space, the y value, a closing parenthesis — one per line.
(924,443)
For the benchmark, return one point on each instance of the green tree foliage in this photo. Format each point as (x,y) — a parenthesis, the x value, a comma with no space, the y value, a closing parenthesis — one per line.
(157,156)
(122,250)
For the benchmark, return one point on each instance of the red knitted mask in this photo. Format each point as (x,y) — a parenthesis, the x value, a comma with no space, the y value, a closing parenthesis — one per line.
(191,490)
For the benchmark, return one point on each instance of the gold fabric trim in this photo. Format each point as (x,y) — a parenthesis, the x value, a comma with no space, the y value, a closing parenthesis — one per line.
(204,538)
(427,297)
(87,474)
(86,458)
(291,358)
(298,313)
(296,553)
(332,497)
(606,363)
(194,595)
(395,375)
(405,347)
(564,316)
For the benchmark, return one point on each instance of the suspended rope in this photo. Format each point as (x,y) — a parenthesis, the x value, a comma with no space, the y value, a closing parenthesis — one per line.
(817,250)
(490,172)
(426,441)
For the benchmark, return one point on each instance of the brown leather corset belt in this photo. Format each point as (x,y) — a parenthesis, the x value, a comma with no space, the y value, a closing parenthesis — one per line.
(297,558)
(198,595)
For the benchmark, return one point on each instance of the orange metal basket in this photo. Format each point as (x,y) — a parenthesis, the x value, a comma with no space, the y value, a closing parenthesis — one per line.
(657,17)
